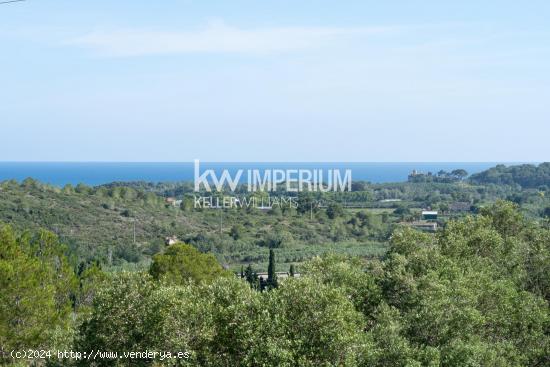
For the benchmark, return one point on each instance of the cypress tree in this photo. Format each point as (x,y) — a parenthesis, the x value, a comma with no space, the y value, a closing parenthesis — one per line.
(271,272)
(292,272)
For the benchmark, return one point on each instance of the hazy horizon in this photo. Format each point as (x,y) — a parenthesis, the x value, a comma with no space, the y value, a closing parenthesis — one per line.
(96,173)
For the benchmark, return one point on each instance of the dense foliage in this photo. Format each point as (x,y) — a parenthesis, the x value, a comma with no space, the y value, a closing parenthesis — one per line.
(37,286)
(182,263)
(123,225)
(525,175)
(474,294)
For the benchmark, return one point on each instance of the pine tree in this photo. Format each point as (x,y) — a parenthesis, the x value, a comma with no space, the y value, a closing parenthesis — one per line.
(271,272)
(36,288)
(292,271)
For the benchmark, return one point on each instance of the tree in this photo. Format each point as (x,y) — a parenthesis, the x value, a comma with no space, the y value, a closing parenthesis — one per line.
(359,186)
(505,217)
(292,271)
(83,189)
(402,211)
(459,174)
(276,239)
(389,345)
(231,321)
(127,315)
(349,276)
(36,287)
(236,231)
(471,295)
(68,189)
(272,281)
(251,277)
(525,175)
(92,278)
(307,204)
(182,263)
(335,210)
(218,324)
(311,324)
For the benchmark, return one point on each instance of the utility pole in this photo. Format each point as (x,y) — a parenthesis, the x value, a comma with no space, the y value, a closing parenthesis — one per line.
(221,221)
(110,256)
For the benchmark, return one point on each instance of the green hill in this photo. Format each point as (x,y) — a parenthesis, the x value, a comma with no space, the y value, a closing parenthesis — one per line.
(121,226)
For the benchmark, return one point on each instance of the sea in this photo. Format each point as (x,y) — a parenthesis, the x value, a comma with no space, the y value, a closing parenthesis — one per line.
(97,173)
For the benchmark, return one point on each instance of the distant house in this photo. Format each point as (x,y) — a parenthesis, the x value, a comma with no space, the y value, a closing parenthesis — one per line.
(171,240)
(423,225)
(264,208)
(429,215)
(172,201)
(280,275)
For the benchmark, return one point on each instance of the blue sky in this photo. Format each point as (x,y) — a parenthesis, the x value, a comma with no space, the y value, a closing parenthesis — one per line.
(275,80)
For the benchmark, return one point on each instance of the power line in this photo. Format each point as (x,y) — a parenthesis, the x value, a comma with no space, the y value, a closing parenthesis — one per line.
(10,1)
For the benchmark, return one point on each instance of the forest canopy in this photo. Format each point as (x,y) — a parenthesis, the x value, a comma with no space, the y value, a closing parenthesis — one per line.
(474,294)
(525,175)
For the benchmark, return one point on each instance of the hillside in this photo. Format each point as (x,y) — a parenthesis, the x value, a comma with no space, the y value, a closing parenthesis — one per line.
(525,175)
(98,224)
(123,224)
